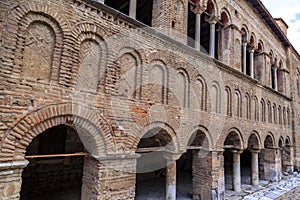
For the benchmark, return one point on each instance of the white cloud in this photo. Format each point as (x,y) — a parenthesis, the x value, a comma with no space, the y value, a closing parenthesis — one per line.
(287,10)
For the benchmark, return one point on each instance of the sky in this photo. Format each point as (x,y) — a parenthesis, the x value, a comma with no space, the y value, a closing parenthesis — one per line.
(289,11)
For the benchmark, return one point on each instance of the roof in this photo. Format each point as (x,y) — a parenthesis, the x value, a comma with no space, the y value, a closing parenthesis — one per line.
(267,17)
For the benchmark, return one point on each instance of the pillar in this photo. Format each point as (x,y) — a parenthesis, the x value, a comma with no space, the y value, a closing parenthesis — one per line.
(208,174)
(197,32)
(104,174)
(132,9)
(11,179)
(254,167)
(244,56)
(275,78)
(236,179)
(271,163)
(252,63)
(212,37)
(171,174)
(171,181)
(198,11)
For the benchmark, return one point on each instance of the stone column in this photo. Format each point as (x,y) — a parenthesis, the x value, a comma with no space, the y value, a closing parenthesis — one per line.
(171,175)
(11,179)
(198,11)
(109,177)
(275,78)
(132,9)
(171,181)
(212,37)
(254,167)
(236,179)
(244,56)
(252,63)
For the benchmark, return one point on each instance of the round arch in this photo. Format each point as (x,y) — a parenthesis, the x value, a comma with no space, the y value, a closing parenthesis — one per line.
(254,141)
(159,126)
(93,130)
(281,142)
(206,141)
(233,137)
(225,16)
(269,140)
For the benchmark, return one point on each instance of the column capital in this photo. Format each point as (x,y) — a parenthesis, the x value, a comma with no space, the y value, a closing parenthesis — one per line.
(198,10)
(255,150)
(13,165)
(251,49)
(237,151)
(212,20)
(172,156)
(233,26)
(115,157)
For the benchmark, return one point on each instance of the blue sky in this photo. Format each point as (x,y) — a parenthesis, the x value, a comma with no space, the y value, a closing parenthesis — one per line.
(289,11)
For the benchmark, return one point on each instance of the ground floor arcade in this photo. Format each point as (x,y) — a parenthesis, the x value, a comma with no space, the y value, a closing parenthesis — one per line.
(156,169)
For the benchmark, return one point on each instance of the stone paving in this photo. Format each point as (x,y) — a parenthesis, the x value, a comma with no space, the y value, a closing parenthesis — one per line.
(287,188)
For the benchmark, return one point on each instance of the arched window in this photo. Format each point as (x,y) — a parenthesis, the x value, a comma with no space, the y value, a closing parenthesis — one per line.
(279,115)
(157,83)
(298,81)
(248,106)
(238,105)
(288,117)
(274,73)
(274,113)
(228,101)
(223,47)
(182,84)
(263,111)
(269,112)
(284,116)
(215,98)
(256,112)
(280,77)
(201,92)
(259,62)
(245,54)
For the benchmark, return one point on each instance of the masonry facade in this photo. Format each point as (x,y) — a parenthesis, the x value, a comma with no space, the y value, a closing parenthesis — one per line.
(213,81)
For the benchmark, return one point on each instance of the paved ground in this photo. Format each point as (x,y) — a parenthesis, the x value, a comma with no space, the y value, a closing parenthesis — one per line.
(292,194)
(287,188)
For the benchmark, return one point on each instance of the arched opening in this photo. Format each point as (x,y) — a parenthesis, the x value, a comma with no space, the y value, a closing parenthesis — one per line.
(54,175)
(205,31)
(232,170)
(151,165)
(286,156)
(282,147)
(273,73)
(246,167)
(250,161)
(245,52)
(259,62)
(192,165)
(223,48)
(280,78)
